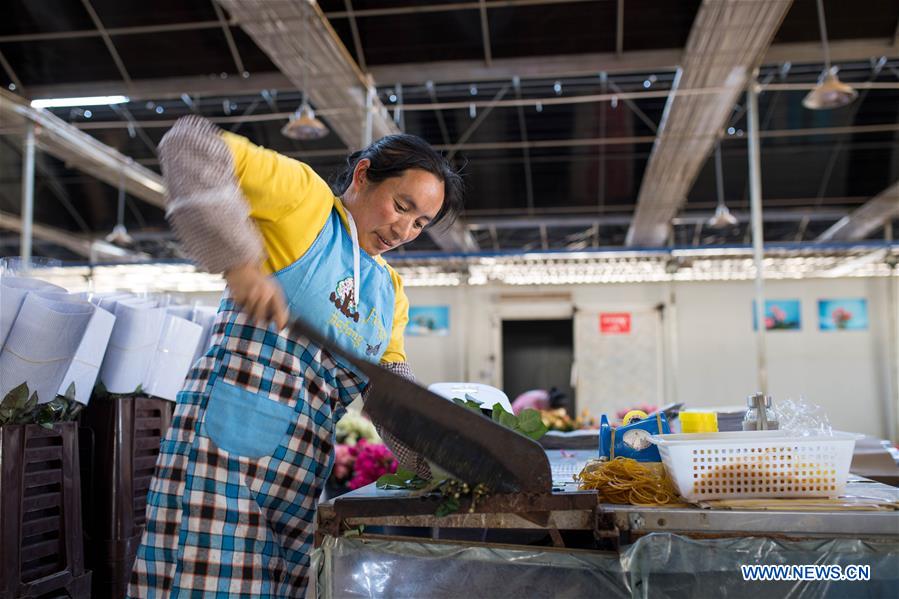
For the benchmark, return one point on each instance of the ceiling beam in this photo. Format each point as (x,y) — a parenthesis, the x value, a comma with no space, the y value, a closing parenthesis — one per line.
(728,39)
(571,65)
(74,243)
(485,34)
(170,88)
(107,40)
(232,47)
(619,28)
(867,218)
(82,151)
(477,223)
(300,41)
(420,8)
(357,39)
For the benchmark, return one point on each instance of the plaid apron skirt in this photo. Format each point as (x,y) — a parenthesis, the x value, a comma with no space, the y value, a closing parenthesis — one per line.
(231,505)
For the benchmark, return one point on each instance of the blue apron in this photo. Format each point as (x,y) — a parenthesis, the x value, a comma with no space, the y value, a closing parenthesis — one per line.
(320,288)
(231,506)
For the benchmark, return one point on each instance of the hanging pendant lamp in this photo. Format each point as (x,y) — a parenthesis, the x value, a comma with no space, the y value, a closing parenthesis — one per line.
(830,92)
(119,235)
(303,124)
(722,217)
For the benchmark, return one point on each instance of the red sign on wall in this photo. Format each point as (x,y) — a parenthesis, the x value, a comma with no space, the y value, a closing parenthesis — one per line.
(615,323)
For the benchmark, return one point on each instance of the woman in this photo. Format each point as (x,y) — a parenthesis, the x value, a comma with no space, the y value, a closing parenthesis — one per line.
(231,505)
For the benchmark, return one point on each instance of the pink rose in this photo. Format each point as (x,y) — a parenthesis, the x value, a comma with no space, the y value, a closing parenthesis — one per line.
(373,460)
(344,459)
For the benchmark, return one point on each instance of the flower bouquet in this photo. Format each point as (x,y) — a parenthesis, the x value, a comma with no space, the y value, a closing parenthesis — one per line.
(359,456)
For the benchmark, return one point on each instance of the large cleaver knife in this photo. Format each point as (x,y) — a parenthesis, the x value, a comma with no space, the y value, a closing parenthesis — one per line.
(466,444)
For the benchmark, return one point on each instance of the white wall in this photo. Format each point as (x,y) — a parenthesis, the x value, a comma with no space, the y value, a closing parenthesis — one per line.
(845,372)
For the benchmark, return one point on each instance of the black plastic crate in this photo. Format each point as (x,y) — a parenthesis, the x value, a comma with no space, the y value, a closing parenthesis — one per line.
(41,552)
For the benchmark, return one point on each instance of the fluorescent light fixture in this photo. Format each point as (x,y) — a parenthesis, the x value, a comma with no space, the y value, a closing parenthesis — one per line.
(85,101)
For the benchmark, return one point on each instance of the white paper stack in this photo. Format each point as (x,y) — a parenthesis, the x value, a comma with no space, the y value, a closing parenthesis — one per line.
(85,365)
(12,293)
(42,343)
(173,357)
(131,346)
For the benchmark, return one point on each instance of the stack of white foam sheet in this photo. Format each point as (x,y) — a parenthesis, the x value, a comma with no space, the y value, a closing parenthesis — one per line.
(173,357)
(85,367)
(205,317)
(108,301)
(181,311)
(13,291)
(42,342)
(134,338)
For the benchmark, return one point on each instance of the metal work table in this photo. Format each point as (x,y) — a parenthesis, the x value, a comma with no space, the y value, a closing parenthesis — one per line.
(569,509)
(565,544)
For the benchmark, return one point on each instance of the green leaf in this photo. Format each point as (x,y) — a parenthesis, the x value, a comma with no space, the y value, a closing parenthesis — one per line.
(139,390)
(508,420)
(74,410)
(405,474)
(70,391)
(17,397)
(52,411)
(467,403)
(449,506)
(530,424)
(100,390)
(401,479)
(390,481)
(29,412)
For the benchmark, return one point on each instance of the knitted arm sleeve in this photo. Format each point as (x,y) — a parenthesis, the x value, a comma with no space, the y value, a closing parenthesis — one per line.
(406,457)
(206,207)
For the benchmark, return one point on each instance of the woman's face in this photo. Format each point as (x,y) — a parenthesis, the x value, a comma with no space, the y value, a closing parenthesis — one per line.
(394,211)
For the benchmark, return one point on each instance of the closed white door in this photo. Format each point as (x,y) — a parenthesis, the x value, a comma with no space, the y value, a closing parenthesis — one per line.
(618,358)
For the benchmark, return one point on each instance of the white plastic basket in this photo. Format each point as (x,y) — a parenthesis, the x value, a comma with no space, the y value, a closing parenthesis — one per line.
(756,464)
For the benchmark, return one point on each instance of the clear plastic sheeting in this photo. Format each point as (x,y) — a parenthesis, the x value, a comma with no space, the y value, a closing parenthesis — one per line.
(353,567)
(803,418)
(658,566)
(666,565)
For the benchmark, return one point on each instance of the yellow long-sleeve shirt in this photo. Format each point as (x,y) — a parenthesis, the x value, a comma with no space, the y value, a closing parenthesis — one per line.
(290,204)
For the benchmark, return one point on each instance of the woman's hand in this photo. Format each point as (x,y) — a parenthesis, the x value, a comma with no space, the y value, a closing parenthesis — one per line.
(258,295)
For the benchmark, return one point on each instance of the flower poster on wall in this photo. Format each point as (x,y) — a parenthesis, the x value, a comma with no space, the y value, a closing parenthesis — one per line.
(843,314)
(780,315)
(428,321)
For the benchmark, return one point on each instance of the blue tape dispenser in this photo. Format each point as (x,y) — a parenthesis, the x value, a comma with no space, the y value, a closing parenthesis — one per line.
(631,439)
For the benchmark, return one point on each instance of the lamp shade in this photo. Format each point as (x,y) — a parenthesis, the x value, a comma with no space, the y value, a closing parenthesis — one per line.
(722,218)
(304,125)
(830,93)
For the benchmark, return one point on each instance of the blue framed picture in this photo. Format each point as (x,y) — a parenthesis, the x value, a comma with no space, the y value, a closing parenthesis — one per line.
(428,321)
(780,315)
(843,314)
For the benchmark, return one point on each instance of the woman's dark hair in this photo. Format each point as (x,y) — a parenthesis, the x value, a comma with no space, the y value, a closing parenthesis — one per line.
(391,156)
